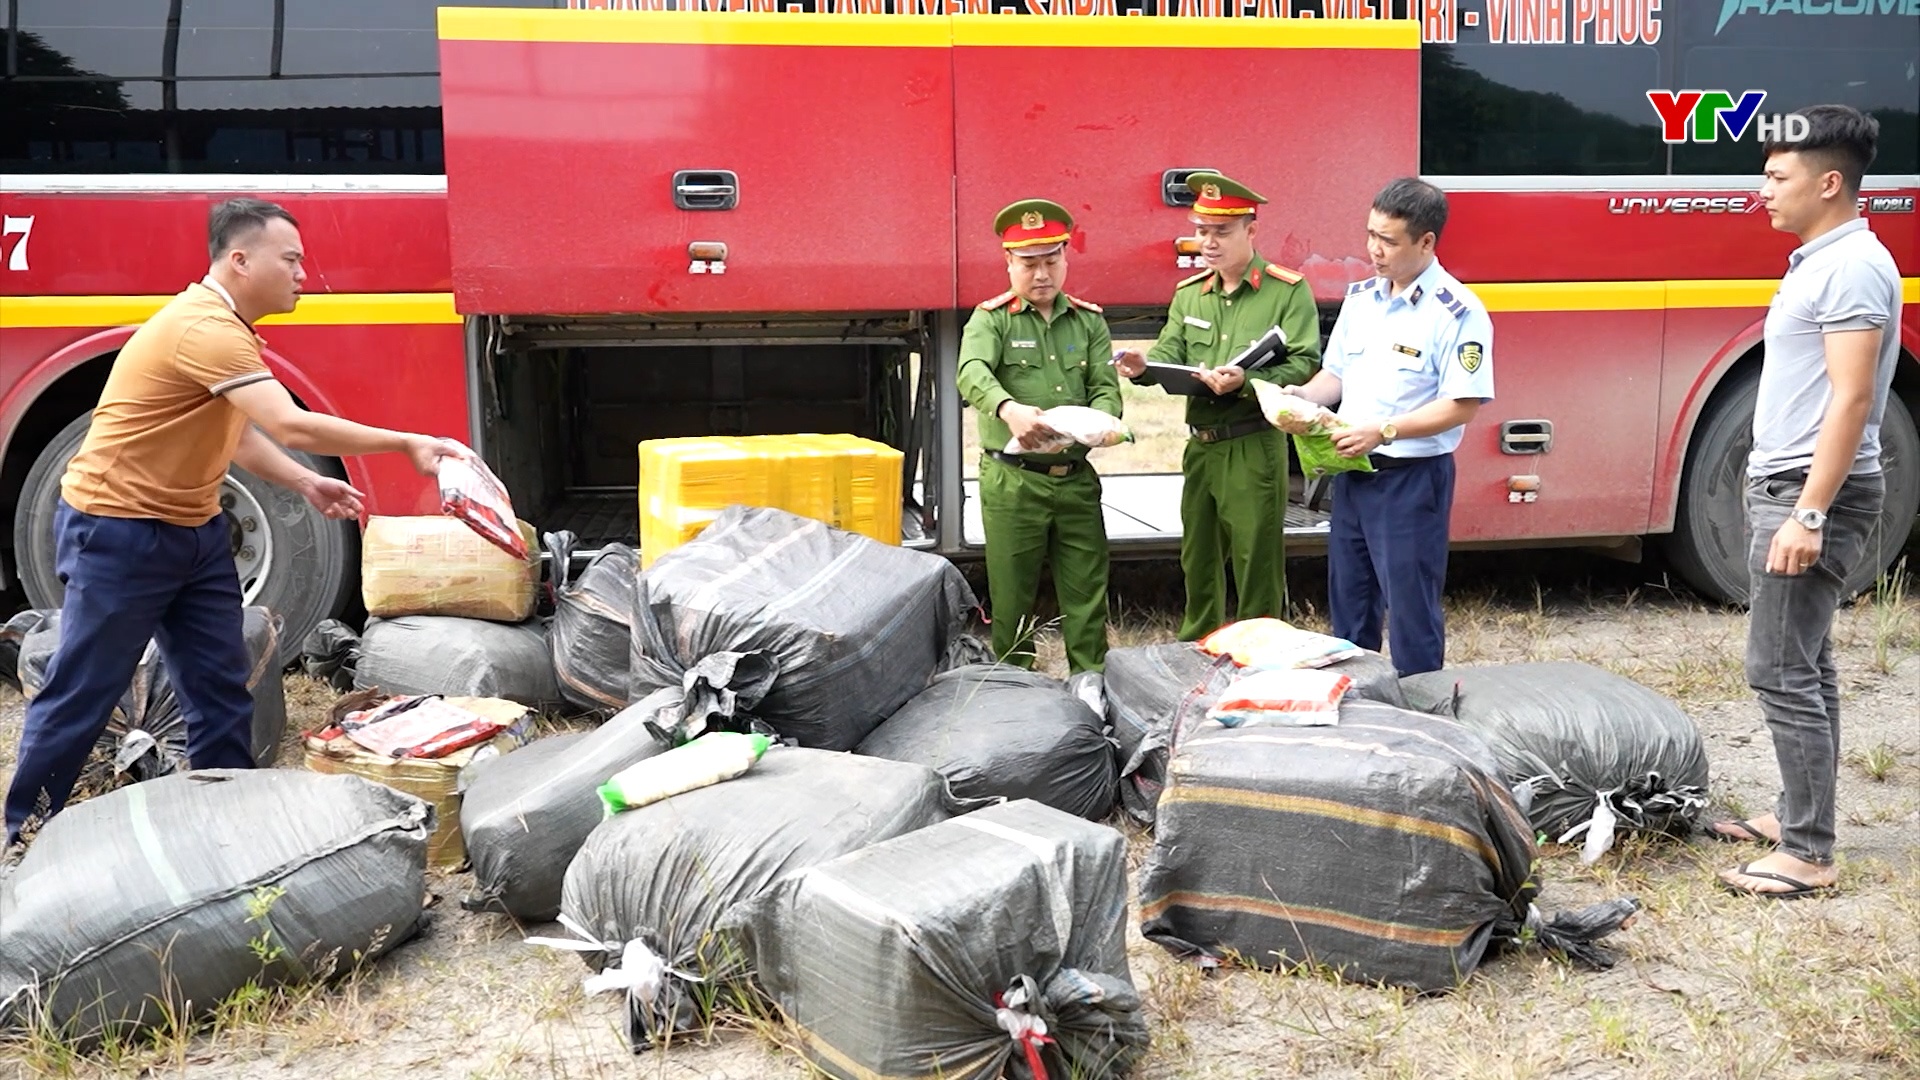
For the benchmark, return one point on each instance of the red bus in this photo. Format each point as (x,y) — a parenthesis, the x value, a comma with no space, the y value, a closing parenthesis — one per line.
(501,206)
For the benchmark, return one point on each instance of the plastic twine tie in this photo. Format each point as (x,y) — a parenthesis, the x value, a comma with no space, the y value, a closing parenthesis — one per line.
(1028,1031)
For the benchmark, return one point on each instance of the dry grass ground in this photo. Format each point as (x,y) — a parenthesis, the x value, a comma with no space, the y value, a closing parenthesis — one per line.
(1709,986)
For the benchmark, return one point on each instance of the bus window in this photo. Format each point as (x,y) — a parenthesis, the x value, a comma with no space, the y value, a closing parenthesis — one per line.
(1512,110)
(232,86)
(1868,60)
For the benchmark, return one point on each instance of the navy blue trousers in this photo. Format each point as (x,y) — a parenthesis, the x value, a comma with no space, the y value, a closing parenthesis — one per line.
(129,581)
(1388,552)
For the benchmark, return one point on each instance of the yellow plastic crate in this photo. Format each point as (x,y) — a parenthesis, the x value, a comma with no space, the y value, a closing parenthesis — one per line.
(844,481)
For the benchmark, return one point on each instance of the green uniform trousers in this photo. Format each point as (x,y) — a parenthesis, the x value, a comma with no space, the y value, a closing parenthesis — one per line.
(1233,502)
(1032,520)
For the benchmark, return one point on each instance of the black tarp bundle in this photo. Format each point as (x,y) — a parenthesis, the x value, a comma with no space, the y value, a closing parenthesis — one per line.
(998,731)
(967,950)
(438,654)
(839,629)
(650,887)
(592,630)
(170,895)
(147,734)
(1148,685)
(1386,848)
(1590,751)
(523,815)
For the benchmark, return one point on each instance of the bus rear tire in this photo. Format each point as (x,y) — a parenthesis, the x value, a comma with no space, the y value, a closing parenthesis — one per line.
(1708,547)
(291,560)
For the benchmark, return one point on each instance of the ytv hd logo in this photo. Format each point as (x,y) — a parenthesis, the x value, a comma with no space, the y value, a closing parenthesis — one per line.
(1705,112)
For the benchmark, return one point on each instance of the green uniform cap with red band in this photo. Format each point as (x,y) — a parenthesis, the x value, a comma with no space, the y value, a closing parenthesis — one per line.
(1217,196)
(1033,227)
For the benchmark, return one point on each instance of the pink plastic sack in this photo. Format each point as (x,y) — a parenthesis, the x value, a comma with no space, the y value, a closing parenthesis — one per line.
(471,493)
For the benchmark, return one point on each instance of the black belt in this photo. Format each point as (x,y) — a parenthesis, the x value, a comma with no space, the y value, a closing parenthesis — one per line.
(1229,431)
(1018,462)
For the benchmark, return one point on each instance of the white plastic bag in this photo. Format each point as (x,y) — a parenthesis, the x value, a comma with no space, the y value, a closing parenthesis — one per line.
(1076,424)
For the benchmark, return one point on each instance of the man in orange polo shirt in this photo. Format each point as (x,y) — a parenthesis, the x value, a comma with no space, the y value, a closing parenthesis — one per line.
(142,548)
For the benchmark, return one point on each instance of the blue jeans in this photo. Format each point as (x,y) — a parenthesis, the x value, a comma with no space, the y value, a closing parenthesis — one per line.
(1387,552)
(1790,649)
(129,581)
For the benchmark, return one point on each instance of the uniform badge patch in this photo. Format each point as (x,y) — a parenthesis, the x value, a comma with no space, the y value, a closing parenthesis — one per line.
(1411,351)
(1470,356)
(1210,191)
(1021,343)
(1032,220)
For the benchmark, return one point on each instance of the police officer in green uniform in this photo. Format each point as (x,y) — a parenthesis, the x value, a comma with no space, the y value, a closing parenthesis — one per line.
(1234,493)
(1028,349)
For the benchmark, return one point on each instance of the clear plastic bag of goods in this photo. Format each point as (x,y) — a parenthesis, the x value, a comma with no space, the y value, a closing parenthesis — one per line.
(1282,696)
(1075,424)
(151,904)
(1595,753)
(1311,427)
(438,654)
(146,736)
(849,627)
(471,494)
(989,945)
(666,875)
(436,566)
(592,631)
(1273,643)
(432,776)
(997,731)
(1388,850)
(524,815)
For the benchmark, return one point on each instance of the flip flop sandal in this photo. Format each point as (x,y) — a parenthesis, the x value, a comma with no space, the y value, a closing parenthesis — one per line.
(1799,889)
(1754,836)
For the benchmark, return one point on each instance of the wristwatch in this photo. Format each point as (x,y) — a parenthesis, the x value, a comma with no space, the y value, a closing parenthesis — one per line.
(1809,518)
(1388,432)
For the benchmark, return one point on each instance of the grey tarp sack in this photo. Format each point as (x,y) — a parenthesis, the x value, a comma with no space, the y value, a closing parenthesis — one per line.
(850,627)
(1147,685)
(994,730)
(1590,751)
(922,956)
(592,631)
(439,654)
(1386,847)
(665,875)
(149,898)
(146,737)
(523,815)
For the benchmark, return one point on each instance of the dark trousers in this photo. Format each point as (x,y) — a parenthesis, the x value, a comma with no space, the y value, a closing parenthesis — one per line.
(129,581)
(1388,552)
(1790,648)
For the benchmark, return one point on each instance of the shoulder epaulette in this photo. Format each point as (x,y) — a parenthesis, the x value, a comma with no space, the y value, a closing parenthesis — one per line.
(1085,304)
(1453,303)
(1291,277)
(1359,287)
(1195,279)
(998,301)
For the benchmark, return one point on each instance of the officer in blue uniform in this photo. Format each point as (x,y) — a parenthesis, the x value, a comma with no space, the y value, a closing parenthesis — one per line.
(1409,363)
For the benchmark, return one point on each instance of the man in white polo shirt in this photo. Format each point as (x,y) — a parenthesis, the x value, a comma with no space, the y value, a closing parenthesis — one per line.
(1814,483)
